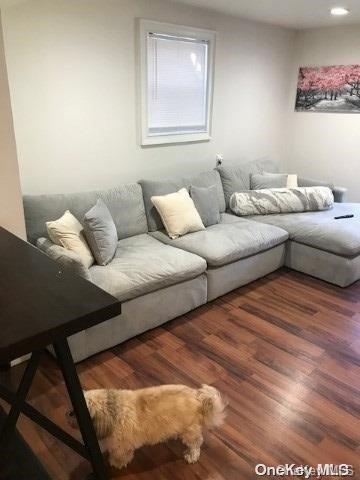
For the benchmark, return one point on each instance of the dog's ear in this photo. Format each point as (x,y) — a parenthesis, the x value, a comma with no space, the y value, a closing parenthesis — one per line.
(91,406)
(99,414)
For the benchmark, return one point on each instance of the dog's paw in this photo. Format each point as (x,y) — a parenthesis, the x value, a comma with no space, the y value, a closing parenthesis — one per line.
(192,456)
(119,464)
(122,461)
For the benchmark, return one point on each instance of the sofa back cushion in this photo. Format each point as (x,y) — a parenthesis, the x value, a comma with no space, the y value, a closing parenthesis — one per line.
(206,203)
(100,232)
(259,181)
(153,188)
(125,204)
(236,178)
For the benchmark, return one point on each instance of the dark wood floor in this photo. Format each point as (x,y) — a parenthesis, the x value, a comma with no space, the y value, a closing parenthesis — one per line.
(286,352)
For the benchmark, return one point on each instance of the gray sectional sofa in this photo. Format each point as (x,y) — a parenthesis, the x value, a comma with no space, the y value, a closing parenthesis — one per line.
(158,279)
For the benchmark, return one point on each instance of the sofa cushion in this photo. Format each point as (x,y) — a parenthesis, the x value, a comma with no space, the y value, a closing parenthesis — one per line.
(100,232)
(320,229)
(206,203)
(259,181)
(227,241)
(68,232)
(281,200)
(125,204)
(152,188)
(142,264)
(178,213)
(310,182)
(236,178)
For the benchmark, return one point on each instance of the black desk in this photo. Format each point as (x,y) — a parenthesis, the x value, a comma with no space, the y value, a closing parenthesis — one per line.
(41,305)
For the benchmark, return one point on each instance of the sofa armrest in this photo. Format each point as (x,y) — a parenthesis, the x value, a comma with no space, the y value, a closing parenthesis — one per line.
(338,192)
(67,259)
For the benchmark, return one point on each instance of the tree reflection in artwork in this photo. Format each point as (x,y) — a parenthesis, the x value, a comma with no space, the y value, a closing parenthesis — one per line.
(329,89)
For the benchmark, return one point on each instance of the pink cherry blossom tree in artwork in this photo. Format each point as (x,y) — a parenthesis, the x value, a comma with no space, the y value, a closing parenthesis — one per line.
(336,82)
(332,83)
(352,76)
(307,85)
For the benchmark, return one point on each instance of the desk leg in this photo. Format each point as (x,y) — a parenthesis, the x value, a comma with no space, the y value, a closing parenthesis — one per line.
(72,382)
(22,391)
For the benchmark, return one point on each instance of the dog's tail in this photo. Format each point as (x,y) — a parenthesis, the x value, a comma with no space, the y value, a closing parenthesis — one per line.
(212,406)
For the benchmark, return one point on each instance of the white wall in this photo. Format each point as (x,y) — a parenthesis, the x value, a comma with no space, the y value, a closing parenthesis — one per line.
(326,145)
(72,67)
(11,211)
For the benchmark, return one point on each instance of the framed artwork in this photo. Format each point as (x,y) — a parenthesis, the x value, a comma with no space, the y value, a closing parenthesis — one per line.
(329,89)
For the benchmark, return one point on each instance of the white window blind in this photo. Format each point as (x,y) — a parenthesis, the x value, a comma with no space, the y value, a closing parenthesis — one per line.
(177,84)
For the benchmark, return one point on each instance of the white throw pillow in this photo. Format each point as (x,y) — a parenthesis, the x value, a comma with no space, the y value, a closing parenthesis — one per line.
(67,232)
(178,213)
(292,181)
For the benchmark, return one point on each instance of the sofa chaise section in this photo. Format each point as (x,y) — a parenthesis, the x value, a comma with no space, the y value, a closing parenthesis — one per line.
(320,245)
(155,282)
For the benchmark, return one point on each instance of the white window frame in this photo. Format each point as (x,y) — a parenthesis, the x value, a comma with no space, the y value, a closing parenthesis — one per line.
(146,27)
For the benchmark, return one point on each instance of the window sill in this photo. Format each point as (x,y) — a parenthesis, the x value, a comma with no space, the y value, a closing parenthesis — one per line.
(180,138)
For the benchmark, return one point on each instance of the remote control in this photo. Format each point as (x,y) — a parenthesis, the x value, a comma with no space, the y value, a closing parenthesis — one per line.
(343,216)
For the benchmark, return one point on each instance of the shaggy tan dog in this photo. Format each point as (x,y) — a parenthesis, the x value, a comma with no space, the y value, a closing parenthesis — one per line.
(125,420)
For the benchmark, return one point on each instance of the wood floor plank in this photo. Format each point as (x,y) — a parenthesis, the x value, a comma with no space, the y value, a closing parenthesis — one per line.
(284,351)
(268,328)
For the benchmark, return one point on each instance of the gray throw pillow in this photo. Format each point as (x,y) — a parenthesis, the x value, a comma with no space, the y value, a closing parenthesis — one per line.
(100,232)
(206,203)
(259,181)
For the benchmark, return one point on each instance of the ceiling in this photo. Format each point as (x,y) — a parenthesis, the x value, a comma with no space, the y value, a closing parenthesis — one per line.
(288,13)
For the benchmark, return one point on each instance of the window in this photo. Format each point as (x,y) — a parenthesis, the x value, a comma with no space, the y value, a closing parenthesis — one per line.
(176,83)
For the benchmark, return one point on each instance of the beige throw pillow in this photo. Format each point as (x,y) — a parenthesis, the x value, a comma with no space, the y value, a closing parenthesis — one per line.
(67,232)
(178,213)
